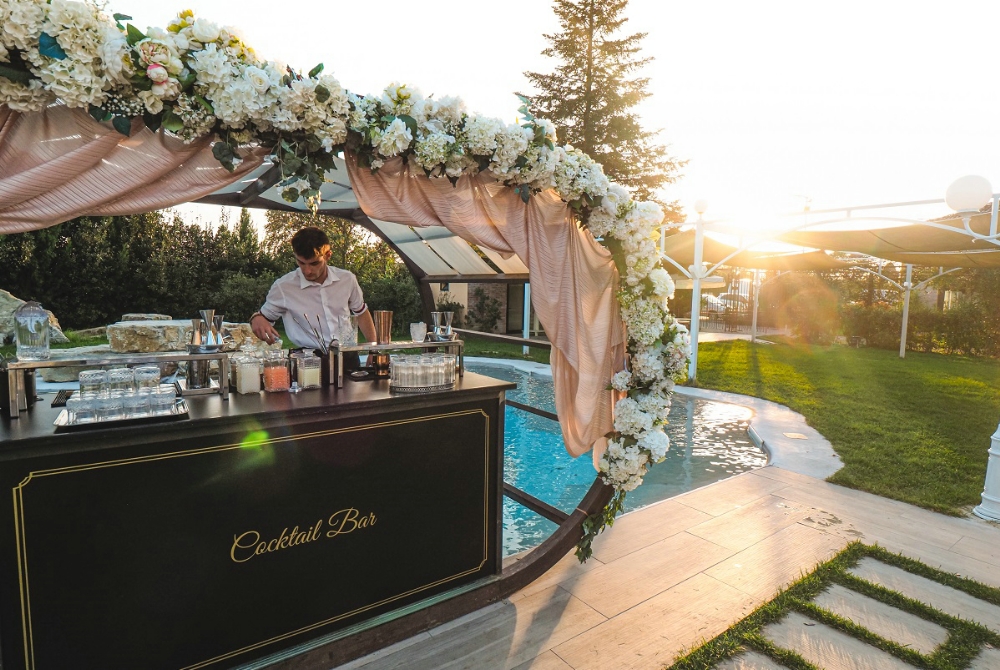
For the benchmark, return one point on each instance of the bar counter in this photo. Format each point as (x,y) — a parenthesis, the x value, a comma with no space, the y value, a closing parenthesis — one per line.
(250,531)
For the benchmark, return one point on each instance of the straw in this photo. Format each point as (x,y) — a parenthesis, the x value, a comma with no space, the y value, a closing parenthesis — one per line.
(297,323)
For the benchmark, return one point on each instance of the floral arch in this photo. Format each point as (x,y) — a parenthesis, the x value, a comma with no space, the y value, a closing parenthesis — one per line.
(99,117)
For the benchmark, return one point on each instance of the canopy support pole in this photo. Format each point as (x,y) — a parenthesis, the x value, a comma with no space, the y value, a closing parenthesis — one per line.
(989,508)
(907,288)
(697,272)
(756,304)
(526,317)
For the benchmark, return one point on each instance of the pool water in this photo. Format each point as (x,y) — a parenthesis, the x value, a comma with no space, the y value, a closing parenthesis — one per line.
(708,442)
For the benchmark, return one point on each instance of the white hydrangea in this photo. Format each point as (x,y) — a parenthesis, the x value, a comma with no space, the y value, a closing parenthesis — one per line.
(621,380)
(400,98)
(212,66)
(22,23)
(663,285)
(481,135)
(431,151)
(656,443)
(512,141)
(630,419)
(647,366)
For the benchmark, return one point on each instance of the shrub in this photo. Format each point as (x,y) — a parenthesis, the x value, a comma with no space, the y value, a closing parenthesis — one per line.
(446,303)
(486,312)
(239,296)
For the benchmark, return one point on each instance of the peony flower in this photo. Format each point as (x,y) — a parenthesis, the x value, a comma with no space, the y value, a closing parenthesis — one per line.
(204,31)
(153,102)
(168,89)
(153,51)
(157,73)
(395,139)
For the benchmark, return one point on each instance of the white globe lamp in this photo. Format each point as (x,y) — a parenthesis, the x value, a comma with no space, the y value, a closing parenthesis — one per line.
(701,206)
(968,194)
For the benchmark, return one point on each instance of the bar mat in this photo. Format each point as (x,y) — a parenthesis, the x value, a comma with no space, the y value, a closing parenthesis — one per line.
(61,397)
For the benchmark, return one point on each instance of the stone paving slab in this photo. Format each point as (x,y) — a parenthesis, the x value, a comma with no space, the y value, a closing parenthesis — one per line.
(989,659)
(903,628)
(749,660)
(828,648)
(941,597)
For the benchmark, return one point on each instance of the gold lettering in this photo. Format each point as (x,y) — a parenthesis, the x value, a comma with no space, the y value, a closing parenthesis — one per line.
(339,520)
(261,549)
(316,530)
(237,544)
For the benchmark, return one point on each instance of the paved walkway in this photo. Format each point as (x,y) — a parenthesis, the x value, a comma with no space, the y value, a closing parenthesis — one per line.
(671,575)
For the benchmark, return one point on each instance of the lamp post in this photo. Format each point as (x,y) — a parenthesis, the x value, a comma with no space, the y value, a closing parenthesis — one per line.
(967,195)
(697,274)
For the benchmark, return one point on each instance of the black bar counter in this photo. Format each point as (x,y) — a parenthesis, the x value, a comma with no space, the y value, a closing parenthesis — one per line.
(257,525)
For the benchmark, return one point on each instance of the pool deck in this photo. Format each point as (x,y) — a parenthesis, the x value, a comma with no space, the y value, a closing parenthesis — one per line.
(673,574)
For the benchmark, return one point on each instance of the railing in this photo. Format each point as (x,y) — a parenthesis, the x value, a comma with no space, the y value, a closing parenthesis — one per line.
(523,498)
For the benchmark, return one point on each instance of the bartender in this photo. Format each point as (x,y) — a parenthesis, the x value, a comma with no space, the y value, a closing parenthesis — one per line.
(314,288)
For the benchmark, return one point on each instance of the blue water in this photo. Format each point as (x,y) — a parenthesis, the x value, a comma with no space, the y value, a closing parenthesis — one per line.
(708,442)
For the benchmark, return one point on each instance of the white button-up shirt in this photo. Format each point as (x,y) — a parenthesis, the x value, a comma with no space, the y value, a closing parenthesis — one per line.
(334,300)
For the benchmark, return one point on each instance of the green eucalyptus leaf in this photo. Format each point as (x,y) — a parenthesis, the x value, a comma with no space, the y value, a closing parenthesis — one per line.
(206,105)
(526,100)
(15,74)
(48,46)
(290,194)
(322,93)
(171,121)
(152,121)
(525,194)
(291,164)
(522,161)
(96,112)
(315,71)
(119,18)
(133,35)
(315,180)
(223,152)
(122,125)
(188,80)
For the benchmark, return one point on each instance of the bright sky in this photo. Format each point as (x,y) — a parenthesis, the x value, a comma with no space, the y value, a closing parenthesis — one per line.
(772,102)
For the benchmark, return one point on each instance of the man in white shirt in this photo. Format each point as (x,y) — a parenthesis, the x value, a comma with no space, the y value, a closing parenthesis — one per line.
(314,288)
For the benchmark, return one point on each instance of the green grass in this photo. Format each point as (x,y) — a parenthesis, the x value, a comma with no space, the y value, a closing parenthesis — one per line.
(965,638)
(74,341)
(914,429)
(475,346)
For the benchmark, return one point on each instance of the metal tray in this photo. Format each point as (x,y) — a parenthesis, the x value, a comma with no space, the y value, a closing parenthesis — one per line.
(178,413)
(421,389)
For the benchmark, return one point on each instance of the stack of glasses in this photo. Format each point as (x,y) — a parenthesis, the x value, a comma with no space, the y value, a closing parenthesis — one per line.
(120,393)
(426,372)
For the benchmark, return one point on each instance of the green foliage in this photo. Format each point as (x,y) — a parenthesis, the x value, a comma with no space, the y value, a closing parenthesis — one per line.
(593,92)
(397,292)
(239,295)
(913,429)
(969,328)
(594,524)
(446,303)
(484,312)
(812,310)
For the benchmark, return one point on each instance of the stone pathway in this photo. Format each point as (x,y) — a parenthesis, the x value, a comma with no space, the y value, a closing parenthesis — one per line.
(831,649)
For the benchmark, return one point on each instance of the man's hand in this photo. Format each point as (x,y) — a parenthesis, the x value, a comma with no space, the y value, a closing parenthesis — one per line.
(263,329)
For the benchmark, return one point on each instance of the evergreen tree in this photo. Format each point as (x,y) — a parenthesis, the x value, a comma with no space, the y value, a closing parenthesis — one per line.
(592,94)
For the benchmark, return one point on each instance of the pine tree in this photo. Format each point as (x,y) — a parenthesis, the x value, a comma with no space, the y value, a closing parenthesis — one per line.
(591,97)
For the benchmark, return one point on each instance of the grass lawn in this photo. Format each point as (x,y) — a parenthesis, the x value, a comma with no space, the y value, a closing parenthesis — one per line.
(914,429)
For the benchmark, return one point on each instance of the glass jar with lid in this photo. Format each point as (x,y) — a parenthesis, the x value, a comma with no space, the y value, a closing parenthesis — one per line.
(31,332)
(246,374)
(276,371)
(308,371)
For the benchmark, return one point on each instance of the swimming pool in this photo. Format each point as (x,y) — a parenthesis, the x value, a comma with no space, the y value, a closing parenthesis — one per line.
(708,442)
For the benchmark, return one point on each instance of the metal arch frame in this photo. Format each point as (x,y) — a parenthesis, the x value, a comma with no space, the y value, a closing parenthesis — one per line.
(700,270)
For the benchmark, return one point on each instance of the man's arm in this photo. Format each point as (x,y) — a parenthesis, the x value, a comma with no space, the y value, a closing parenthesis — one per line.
(367,326)
(264,329)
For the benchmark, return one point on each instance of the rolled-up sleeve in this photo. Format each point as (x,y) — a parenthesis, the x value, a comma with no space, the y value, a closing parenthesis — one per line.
(356,302)
(274,305)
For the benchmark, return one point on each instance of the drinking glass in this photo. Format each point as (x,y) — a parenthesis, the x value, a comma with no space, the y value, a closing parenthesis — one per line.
(93,382)
(348,335)
(81,409)
(418,331)
(147,377)
(111,406)
(161,401)
(137,404)
(121,379)
(449,368)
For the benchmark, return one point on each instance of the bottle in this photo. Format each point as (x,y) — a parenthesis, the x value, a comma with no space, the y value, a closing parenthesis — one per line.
(276,373)
(31,331)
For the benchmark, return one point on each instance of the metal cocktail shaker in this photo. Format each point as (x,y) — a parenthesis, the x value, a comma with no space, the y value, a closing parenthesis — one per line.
(383,335)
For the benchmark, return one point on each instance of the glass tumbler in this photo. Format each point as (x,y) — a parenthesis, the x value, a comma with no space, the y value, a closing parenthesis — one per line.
(147,377)
(111,406)
(93,383)
(161,401)
(137,404)
(81,409)
(418,331)
(121,380)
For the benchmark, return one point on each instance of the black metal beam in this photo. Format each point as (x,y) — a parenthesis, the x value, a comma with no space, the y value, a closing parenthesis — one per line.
(499,278)
(533,410)
(534,504)
(509,339)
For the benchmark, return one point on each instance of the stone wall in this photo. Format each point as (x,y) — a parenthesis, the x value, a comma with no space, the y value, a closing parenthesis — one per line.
(147,336)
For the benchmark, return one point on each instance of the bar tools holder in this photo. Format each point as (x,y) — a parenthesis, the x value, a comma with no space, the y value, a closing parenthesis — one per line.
(441,326)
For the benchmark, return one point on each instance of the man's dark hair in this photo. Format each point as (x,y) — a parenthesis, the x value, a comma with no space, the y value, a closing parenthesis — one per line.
(310,242)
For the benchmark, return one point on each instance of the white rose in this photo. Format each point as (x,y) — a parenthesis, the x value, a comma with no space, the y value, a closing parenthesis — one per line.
(157,73)
(258,78)
(167,90)
(181,41)
(204,31)
(153,103)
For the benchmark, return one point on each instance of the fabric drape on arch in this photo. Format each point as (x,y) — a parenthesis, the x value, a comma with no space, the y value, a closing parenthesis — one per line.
(60,163)
(573,278)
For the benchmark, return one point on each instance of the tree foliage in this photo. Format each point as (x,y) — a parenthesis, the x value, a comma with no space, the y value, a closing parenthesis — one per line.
(592,94)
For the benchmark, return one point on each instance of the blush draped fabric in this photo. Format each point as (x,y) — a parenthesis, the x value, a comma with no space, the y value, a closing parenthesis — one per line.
(573,278)
(60,163)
